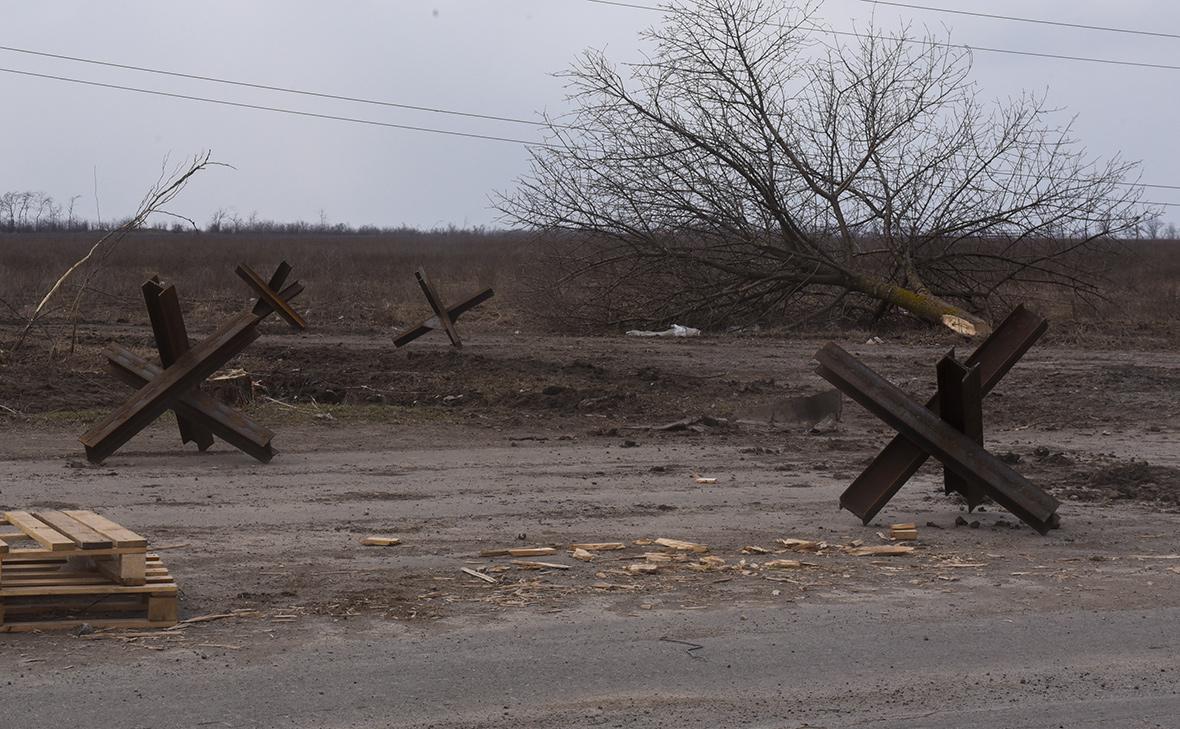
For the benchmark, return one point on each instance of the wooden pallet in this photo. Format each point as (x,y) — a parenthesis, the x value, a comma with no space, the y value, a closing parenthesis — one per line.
(114,550)
(59,569)
(55,593)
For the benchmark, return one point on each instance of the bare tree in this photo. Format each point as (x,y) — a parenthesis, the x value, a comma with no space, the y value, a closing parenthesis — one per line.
(70,213)
(168,186)
(217,220)
(755,163)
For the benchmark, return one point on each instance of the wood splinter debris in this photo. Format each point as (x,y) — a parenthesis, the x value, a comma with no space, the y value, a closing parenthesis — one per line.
(599,546)
(479,575)
(801,545)
(782,564)
(681,546)
(660,557)
(582,555)
(703,480)
(519,552)
(643,568)
(903,532)
(380,541)
(531,565)
(883,550)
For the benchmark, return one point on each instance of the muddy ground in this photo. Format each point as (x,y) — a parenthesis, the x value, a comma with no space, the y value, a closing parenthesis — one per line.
(541,441)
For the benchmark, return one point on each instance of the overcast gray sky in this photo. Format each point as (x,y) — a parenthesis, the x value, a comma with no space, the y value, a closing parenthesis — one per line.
(486,56)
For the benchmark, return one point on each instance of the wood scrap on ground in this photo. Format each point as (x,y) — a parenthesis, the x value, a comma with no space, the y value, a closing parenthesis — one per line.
(519,552)
(381,541)
(903,532)
(699,424)
(782,564)
(680,545)
(478,575)
(533,565)
(801,545)
(882,550)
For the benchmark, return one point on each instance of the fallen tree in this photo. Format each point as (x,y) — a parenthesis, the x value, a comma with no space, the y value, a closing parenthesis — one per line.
(758,165)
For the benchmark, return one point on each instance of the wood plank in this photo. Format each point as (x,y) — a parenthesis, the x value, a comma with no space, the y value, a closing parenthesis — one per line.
(106,589)
(23,554)
(128,569)
(162,609)
(534,565)
(56,581)
(122,537)
(83,536)
(87,577)
(3,547)
(480,575)
(531,551)
(39,532)
(12,576)
(42,626)
(31,606)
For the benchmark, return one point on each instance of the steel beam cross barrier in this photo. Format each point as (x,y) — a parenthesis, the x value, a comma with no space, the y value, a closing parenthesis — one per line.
(444,317)
(901,459)
(971,468)
(176,385)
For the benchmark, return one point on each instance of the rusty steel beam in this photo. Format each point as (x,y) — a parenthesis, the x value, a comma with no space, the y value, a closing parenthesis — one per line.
(440,309)
(176,385)
(901,459)
(960,397)
(157,396)
(928,432)
(274,300)
(277,279)
(197,407)
(453,313)
(167,321)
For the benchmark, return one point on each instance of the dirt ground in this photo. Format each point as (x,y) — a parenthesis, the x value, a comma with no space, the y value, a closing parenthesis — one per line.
(527,441)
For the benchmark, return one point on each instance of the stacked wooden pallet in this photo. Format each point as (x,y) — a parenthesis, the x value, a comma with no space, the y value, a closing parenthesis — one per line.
(60,569)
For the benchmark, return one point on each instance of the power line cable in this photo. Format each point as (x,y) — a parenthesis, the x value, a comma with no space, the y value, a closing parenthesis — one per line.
(1038,21)
(369,122)
(261,107)
(267,87)
(624,5)
(954,45)
(940,44)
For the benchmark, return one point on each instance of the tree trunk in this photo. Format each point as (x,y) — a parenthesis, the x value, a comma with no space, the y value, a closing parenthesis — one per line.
(922,305)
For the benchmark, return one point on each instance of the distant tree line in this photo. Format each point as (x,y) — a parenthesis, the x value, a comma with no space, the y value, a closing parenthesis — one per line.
(38,212)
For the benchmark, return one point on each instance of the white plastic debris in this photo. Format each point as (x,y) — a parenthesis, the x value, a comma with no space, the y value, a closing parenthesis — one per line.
(675,331)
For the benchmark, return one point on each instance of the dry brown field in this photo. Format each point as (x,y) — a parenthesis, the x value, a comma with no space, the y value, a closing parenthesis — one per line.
(533,437)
